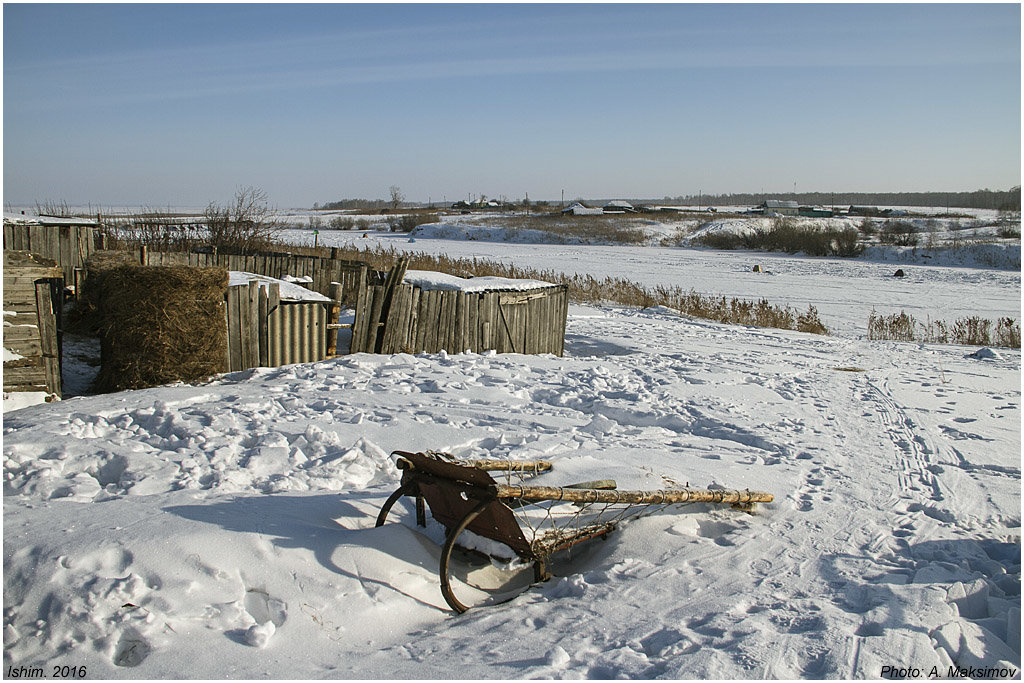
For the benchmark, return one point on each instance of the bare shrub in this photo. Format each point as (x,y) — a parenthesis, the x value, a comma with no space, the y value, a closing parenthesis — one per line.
(868,227)
(726,241)
(349,223)
(898,233)
(1009,231)
(846,243)
(785,234)
(408,222)
(247,225)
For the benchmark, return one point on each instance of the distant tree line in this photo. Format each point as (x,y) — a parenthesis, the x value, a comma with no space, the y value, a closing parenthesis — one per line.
(345,204)
(1004,200)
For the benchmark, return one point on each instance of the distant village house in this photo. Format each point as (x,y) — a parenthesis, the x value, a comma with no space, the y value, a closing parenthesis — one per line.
(780,207)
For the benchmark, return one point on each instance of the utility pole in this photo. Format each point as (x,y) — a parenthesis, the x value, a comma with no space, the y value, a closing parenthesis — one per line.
(562,205)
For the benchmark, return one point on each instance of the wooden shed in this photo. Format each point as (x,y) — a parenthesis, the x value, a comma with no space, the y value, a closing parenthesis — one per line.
(33,293)
(426,311)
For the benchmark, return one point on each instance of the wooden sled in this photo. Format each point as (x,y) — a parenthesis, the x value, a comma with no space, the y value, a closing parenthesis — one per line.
(462,495)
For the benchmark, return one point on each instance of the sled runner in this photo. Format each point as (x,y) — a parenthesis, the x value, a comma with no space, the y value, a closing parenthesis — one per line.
(531,523)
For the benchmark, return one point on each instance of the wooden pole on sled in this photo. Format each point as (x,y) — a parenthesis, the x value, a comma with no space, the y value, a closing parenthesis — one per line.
(577,495)
(508,465)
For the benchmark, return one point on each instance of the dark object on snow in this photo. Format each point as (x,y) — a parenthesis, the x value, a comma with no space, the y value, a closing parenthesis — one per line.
(899,273)
(158,324)
(462,496)
(757,269)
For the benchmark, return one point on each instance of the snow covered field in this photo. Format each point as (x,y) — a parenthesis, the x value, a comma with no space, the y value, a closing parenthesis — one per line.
(946,286)
(225,530)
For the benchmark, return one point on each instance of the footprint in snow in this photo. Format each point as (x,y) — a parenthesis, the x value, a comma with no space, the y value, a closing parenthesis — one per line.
(131,649)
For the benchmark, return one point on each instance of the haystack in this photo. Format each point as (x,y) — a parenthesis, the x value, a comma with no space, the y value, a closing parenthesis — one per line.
(159,324)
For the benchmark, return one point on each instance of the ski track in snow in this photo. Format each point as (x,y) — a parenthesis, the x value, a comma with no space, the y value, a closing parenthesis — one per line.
(226,528)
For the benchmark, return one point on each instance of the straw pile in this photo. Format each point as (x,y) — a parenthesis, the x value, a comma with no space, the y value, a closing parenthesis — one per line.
(158,324)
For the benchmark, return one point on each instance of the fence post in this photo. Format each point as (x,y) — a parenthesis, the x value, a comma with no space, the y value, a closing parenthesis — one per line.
(234,316)
(79,275)
(49,347)
(250,329)
(143,255)
(274,324)
(333,316)
(262,319)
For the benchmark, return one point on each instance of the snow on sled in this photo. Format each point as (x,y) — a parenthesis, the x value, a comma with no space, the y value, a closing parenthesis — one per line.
(508,528)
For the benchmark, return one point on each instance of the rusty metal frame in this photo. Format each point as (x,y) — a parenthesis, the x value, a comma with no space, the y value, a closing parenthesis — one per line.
(462,496)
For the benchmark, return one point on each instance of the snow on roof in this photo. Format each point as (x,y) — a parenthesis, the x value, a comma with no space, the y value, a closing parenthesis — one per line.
(619,204)
(432,280)
(289,290)
(780,204)
(578,209)
(19,219)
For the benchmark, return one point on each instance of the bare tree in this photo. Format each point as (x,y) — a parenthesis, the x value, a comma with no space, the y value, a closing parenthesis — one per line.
(247,224)
(396,196)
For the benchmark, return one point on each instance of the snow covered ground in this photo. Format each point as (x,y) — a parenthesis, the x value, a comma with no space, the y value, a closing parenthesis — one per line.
(226,530)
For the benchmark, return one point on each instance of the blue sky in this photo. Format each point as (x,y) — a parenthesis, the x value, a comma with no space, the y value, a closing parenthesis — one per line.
(179,105)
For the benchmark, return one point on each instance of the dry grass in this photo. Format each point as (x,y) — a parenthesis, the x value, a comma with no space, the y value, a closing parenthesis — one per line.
(970,331)
(588,289)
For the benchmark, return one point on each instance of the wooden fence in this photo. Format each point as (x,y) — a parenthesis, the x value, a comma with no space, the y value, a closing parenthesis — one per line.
(353,276)
(402,318)
(66,243)
(264,331)
(70,245)
(33,292)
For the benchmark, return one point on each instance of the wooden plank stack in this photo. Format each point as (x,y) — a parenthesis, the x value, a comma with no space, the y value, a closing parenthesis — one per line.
(33,292)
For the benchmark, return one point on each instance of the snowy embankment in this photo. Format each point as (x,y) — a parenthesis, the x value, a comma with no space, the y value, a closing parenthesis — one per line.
(225,530)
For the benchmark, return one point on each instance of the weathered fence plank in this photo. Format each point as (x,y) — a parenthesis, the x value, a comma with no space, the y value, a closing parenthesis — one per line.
(49,344)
